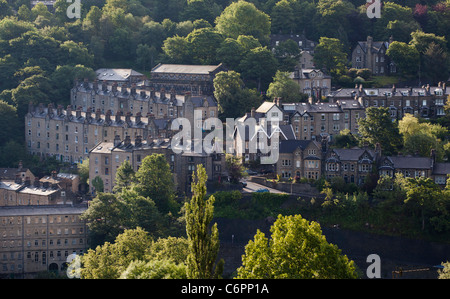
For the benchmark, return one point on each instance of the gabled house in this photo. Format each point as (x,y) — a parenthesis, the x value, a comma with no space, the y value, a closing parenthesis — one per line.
(372,55)
(352,164)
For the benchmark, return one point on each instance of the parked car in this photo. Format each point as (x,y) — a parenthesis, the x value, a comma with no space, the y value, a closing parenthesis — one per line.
(251,172)
(244,184)
(261,190)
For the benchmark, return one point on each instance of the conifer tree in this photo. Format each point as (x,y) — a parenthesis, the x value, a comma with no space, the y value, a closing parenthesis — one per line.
(203,240)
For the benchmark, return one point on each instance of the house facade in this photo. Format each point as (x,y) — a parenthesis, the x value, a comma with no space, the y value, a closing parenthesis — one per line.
(371,55)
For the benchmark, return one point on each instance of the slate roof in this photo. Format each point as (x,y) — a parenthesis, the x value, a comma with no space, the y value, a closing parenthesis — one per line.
(185,69)
(441,168)
(116,74)
(289,146)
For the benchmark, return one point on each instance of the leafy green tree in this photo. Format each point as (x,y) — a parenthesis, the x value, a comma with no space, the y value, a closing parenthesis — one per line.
(377,127)
(232,96)
(177,50)
(436,63)
(445,272)
(203,44)
(155,181)
(124,176)
(230,53)
(104,218)
(329,55)
(83,171)
(282,17)
(345,139)
(284,87)
(422,195)
(287,53)
(406,58)
(203,241)
(10,120)
(154,269)
(109,260)
(297,249)
(258,66)
(243,18)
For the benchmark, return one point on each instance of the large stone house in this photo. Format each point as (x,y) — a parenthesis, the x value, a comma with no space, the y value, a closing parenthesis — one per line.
(371,55)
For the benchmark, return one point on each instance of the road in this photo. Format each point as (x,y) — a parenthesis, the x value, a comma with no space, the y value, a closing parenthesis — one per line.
(252,187)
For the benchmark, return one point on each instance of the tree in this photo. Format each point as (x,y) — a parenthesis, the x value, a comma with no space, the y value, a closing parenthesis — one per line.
(422,194)
(230,53)
(155,181)
(109,260)
(104,218)
(234,167)
(259,66)
(377,127)
(243,18)
(421,137)
(124,176)
(177,50)
(436,63)
(296,250)
(97,183)
(330,56)
(284,87)
(287,53)
(232,96)
(203,44)
(203,241)
(282,17)
(406,57)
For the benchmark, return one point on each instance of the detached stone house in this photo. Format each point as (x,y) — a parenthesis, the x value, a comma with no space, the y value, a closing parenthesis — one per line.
(372,55)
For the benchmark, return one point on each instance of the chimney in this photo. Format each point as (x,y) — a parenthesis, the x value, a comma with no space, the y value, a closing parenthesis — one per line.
(124,89)
(88,113)
(133,89)
(54,174)
(279,102)
(114,87)
(187,96)
(41,108)
(98,112)
(95,85)
(104,86)
(18,179)
(108,116)
(59,110)
(50,109)
(37,184)
(172,94)
(127,140)
(27,181)
(86,83)
(78,113)
(69,111)
(138,117)
(162,94)
(30,107)
(116,140)
(152,93)
(433,158)
(143,94)
(252,112)
(118,116)
(20,168)
(138,141)
(377,151)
